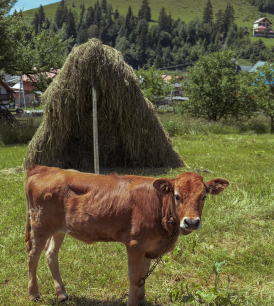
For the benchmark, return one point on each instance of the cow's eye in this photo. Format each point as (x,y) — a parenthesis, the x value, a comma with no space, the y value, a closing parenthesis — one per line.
(177,197)
(203,198)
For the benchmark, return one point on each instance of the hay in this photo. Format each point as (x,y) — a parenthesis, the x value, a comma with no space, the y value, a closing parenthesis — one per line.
(129,132)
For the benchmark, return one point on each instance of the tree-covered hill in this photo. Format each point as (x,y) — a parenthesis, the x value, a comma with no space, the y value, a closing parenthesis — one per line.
(245,12)
(145,39)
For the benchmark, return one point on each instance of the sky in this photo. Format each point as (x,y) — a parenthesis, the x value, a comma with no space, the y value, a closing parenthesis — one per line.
(29,4)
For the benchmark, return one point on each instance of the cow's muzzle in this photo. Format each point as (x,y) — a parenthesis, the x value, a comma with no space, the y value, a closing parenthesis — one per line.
(191,224)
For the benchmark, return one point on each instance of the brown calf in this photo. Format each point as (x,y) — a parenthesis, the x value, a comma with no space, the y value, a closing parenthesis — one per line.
(133,210)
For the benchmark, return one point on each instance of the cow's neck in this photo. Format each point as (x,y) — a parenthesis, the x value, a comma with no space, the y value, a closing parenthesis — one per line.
(170,220)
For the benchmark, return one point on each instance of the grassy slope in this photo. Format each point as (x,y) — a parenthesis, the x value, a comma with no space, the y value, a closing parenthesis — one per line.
(187,10)
(238,227)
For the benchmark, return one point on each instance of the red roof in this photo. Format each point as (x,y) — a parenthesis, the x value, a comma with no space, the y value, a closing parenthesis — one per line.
(49,75)
(262,27)
(166,77)
(169,77)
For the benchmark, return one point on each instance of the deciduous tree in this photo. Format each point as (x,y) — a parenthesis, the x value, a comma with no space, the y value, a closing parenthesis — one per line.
(215,89)
(263,88)
(152,84)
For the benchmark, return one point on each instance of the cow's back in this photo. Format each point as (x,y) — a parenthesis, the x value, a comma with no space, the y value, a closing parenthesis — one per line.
(92,207)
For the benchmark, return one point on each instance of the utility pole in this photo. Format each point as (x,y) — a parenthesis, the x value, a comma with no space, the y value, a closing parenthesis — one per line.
(95,129)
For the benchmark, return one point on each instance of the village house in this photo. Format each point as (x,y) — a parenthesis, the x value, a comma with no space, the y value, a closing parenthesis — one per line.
(27,88)
(177,90)
(262,28)
(6,94)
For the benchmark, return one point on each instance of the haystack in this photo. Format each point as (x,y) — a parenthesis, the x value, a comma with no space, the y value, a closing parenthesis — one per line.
(129,132)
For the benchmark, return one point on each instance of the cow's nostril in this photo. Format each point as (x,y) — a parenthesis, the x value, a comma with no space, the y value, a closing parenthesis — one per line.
(192,223)
(186,222)
(196,223)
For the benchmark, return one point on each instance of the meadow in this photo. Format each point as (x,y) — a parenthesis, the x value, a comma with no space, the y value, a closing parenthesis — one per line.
(228,262)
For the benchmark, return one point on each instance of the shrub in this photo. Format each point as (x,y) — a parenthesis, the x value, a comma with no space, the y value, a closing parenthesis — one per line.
(22,133)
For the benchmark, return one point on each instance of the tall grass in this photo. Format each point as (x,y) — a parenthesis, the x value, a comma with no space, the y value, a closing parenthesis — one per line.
(22,133)
(177,125)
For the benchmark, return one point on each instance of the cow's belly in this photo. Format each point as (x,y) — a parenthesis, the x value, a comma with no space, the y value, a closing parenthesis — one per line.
(89,238)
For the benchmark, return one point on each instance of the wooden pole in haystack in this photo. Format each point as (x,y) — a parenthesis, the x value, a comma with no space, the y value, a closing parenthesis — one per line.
(95,129)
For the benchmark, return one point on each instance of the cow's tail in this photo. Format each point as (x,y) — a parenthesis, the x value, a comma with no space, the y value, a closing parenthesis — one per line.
(28,226)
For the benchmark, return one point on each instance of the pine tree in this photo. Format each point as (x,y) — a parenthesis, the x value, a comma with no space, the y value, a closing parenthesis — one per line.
(82,14)
(90,16)
(142,42)
(169,23)
(109,19)
(46,24)
(208,13)
(229,17)
(162,20)
(59,17)
(41,15)
(71,27)
(104,6)
(73,5)
(128,22)
(83,34)
(145,11)
(97,14)
(35,22)
(61,14)
(219,24)
(116,15)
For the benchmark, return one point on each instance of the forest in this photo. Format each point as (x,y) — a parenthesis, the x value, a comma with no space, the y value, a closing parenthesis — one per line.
(143,44)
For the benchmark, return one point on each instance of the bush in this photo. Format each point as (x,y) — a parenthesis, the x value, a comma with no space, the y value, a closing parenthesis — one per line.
(181,125)
(22,133)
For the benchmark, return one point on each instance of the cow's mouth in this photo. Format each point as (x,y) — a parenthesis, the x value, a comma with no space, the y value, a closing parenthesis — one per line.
(185,231)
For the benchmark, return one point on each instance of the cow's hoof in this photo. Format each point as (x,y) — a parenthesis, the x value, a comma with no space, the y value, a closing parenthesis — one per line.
(62,297)
(34,297)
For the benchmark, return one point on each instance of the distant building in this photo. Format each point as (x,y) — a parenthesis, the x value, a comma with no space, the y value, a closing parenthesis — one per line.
(28,85)
(6,93)
(262,28)
(256,66)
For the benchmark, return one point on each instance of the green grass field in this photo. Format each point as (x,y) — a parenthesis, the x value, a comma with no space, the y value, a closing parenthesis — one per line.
(269,42)
(187,10)
(238,228)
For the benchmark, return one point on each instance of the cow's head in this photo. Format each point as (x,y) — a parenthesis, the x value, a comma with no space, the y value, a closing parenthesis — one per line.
(189,192)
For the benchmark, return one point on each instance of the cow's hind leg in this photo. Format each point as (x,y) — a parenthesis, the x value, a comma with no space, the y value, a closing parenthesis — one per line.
(34,248)
(141,290)
(52,250)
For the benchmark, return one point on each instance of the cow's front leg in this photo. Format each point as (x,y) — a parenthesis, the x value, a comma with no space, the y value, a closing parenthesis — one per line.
(141,290)
(135,273)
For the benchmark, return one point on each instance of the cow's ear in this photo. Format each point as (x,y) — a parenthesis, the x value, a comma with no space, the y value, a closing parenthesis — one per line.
(216,186)
(163,186)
